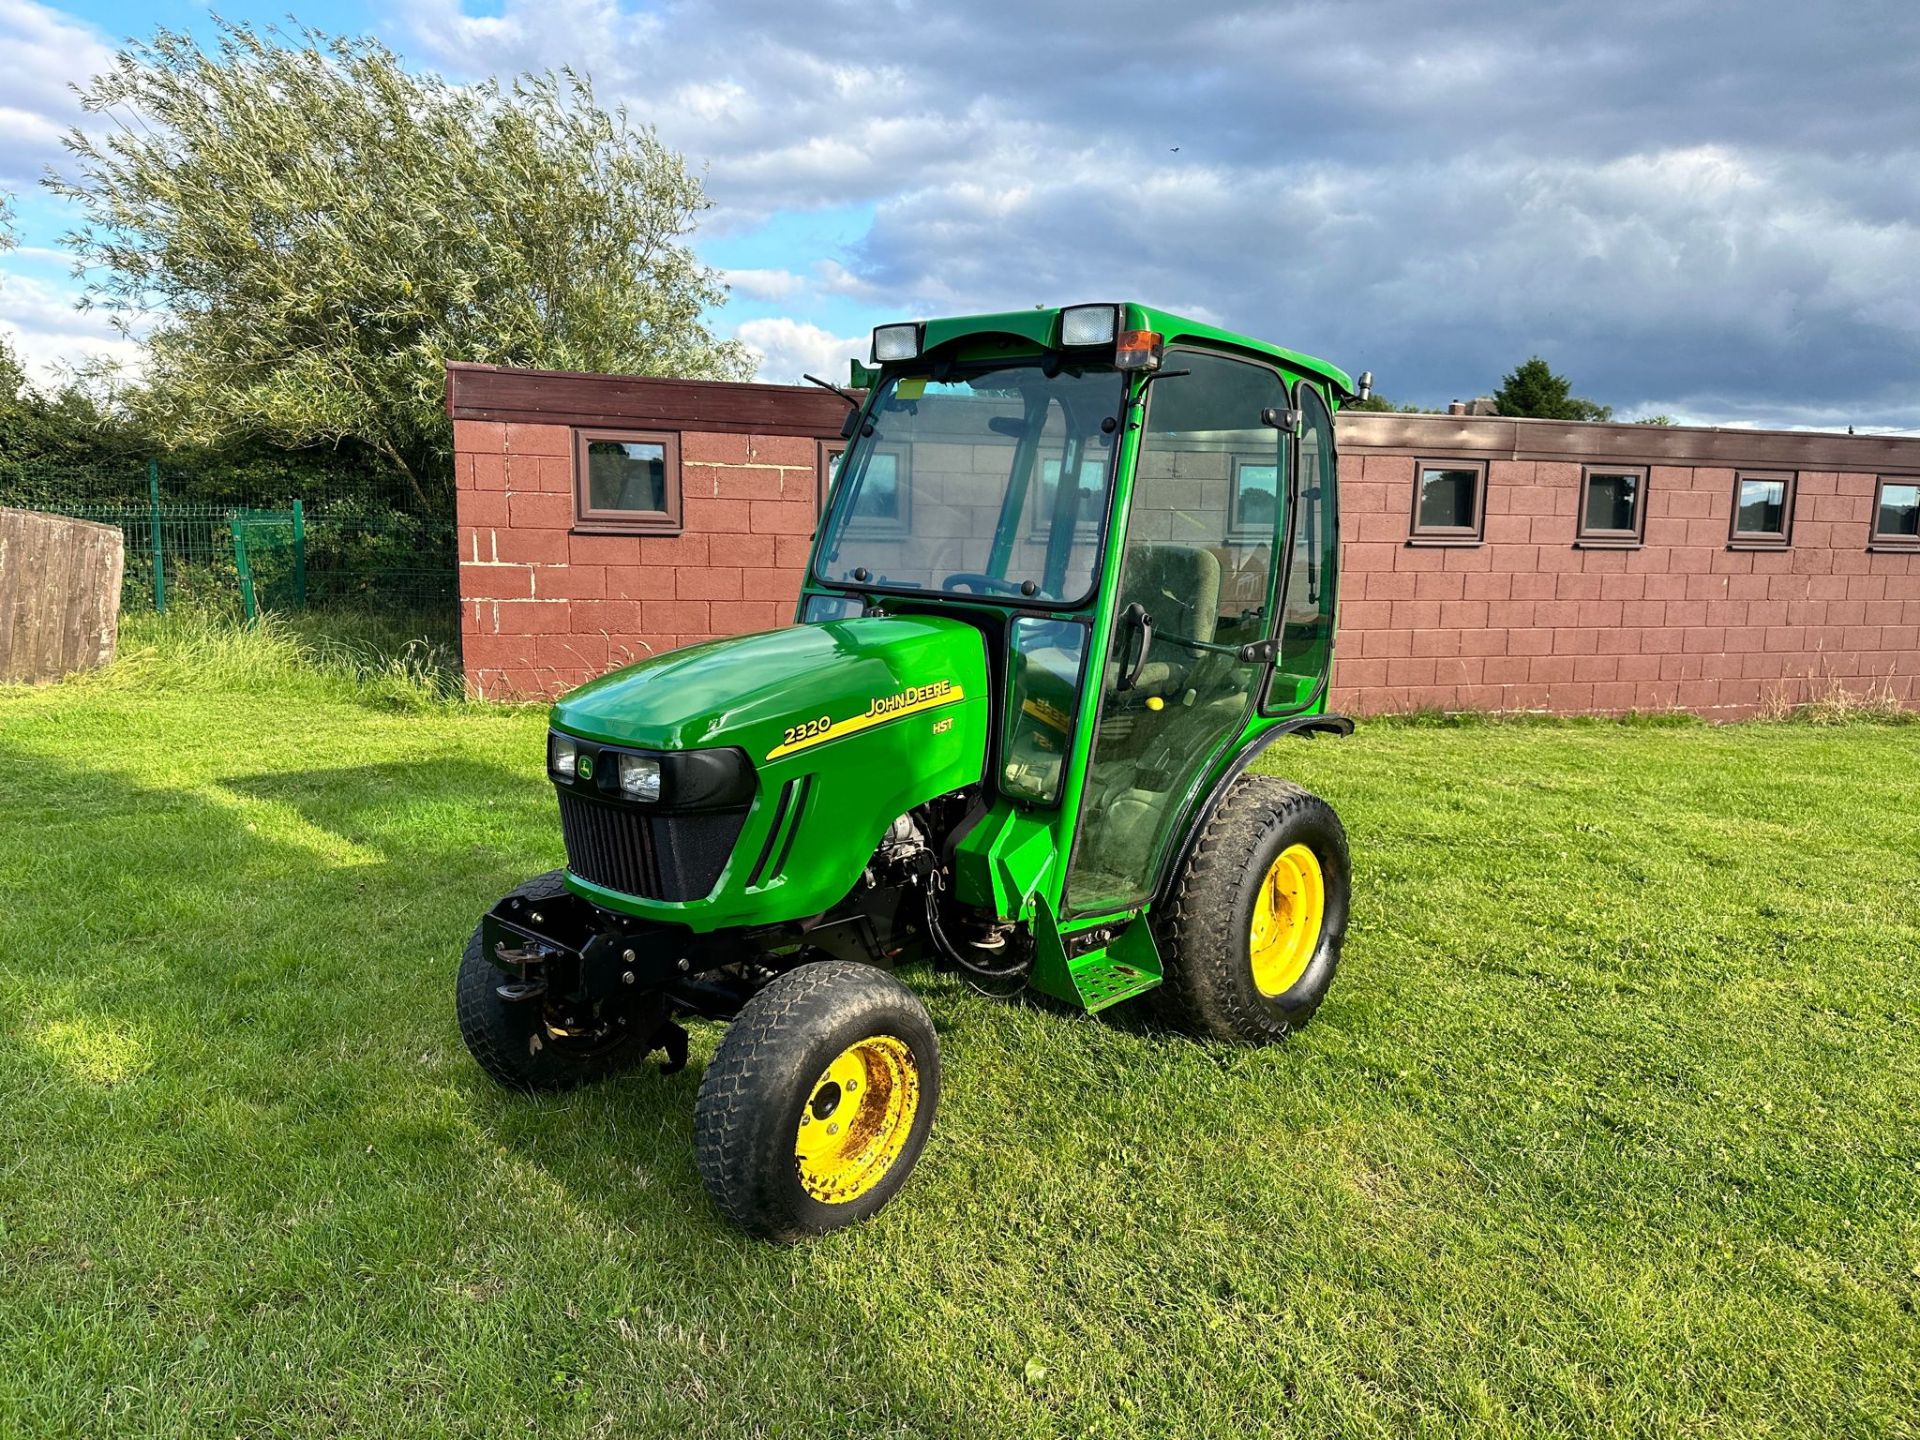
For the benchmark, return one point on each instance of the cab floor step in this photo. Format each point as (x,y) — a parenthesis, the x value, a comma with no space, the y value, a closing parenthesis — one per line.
(1103,980)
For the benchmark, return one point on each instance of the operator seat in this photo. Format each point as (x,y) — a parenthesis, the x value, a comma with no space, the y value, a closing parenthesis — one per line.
(1179,587)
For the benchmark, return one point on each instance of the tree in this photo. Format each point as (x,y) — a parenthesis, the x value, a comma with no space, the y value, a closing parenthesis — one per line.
(311,232)
(1533,391)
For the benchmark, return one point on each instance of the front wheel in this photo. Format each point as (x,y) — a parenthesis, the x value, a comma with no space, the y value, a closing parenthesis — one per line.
(519,1042)
(1252,935)
(818,1101)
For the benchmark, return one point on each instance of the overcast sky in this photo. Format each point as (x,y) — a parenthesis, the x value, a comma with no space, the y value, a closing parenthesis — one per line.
(1710,210)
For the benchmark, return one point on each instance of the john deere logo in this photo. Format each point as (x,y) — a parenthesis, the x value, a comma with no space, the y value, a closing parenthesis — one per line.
(583,767)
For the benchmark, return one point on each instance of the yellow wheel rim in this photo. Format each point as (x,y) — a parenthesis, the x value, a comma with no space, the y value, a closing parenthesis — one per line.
(857,1119)
(1288,915)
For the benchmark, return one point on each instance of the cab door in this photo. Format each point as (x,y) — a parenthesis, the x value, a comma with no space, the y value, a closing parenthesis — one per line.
(1194,613)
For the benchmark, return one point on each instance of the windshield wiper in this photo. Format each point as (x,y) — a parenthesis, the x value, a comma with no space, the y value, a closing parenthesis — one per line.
(827,385)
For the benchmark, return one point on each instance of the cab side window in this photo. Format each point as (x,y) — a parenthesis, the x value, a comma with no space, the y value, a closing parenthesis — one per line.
(1312,562)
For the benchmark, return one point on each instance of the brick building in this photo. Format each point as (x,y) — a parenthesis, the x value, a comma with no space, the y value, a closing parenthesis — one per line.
(1487,563)
(1727,568)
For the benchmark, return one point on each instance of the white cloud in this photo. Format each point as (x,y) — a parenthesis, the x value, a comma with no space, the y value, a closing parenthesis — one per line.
(764,284)
(42,52)
(51,336)
(788,349)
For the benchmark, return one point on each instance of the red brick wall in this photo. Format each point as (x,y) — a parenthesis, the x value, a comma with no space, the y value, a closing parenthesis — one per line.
(543,608)
(1526,621)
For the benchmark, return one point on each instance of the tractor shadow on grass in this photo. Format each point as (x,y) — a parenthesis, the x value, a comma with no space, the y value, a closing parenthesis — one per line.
(269,957)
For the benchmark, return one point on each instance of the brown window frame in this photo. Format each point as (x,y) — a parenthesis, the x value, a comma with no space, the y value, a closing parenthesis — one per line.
(828,451)
(1876,538)
(1738,539)
(1633,539)
(627,522)
(1474,534)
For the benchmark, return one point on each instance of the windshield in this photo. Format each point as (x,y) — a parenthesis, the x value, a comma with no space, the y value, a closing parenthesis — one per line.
(957,487)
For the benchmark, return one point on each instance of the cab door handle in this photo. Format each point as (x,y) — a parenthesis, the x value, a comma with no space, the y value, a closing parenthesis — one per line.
(1136,616)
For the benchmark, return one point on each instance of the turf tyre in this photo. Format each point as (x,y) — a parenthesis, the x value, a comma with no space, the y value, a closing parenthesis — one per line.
(1204,930)
(507,1038)
(763,1074)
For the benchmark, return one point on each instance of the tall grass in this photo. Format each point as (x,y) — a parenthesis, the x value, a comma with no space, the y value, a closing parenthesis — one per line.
(338,655)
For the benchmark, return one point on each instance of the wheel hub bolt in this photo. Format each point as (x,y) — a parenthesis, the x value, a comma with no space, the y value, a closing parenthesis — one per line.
(628,978)
(627,955)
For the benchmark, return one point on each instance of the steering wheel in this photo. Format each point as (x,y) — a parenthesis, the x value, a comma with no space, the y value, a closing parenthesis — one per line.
(981,584)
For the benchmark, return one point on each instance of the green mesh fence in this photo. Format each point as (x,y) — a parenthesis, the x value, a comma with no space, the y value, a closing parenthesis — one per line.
(378,555)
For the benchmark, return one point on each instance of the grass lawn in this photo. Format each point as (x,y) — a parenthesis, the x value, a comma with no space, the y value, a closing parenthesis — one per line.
(1611,1125)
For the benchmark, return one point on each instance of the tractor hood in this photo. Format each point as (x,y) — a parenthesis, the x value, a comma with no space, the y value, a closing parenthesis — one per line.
(846,725)
(781,692)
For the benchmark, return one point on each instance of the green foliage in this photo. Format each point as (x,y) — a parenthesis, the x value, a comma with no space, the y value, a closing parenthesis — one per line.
(1380,403)
(1532,390)
(1607,1128)
(317,230)
(1656,420)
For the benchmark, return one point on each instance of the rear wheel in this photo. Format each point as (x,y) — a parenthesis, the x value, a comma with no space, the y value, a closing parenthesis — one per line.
(521,1043)
(1252,936)
(818,1101)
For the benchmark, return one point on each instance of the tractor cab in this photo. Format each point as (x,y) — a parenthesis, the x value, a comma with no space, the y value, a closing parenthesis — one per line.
(1077,569)
(1100,481)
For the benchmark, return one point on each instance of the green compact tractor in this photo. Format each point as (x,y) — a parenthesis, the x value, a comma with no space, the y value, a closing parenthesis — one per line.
(1077,571)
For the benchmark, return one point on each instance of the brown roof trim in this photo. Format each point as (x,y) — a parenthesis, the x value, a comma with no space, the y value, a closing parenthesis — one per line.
(572,397)
(1498,437)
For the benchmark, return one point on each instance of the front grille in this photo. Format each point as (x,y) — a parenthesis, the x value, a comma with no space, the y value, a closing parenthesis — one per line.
(651,857)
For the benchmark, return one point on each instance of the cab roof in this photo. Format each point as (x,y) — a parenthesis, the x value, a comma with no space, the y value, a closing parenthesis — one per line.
(1041,327)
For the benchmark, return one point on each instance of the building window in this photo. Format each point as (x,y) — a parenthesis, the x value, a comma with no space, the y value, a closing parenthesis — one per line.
(882,503)
(626,480)
(1613,506)
(1254,505)
(1449,502)
(1762,509)
(1896,514)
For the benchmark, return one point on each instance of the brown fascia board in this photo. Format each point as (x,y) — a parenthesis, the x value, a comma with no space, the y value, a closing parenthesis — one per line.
(640,402)
(1490,437)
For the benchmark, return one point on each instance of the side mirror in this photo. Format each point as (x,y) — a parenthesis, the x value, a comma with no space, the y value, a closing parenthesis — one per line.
(849,424)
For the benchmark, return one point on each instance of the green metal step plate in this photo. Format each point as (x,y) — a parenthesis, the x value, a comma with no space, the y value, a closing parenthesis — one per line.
(1126,965)
(1104,979)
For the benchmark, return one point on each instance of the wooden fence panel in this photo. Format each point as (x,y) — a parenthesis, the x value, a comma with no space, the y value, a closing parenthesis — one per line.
(59,595)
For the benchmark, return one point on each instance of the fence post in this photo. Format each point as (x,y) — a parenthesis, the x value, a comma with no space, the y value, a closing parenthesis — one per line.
(299,558)
(241,565)
(153,521)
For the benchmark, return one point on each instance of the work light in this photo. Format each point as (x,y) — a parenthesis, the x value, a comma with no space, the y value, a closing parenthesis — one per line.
(895,342)
(640,777)
(1089,325)
(563,756)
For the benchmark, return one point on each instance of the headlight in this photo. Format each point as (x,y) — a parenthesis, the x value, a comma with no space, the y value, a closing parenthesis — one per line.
(562,755)
(1088,325)
(640,777)
(895,342)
